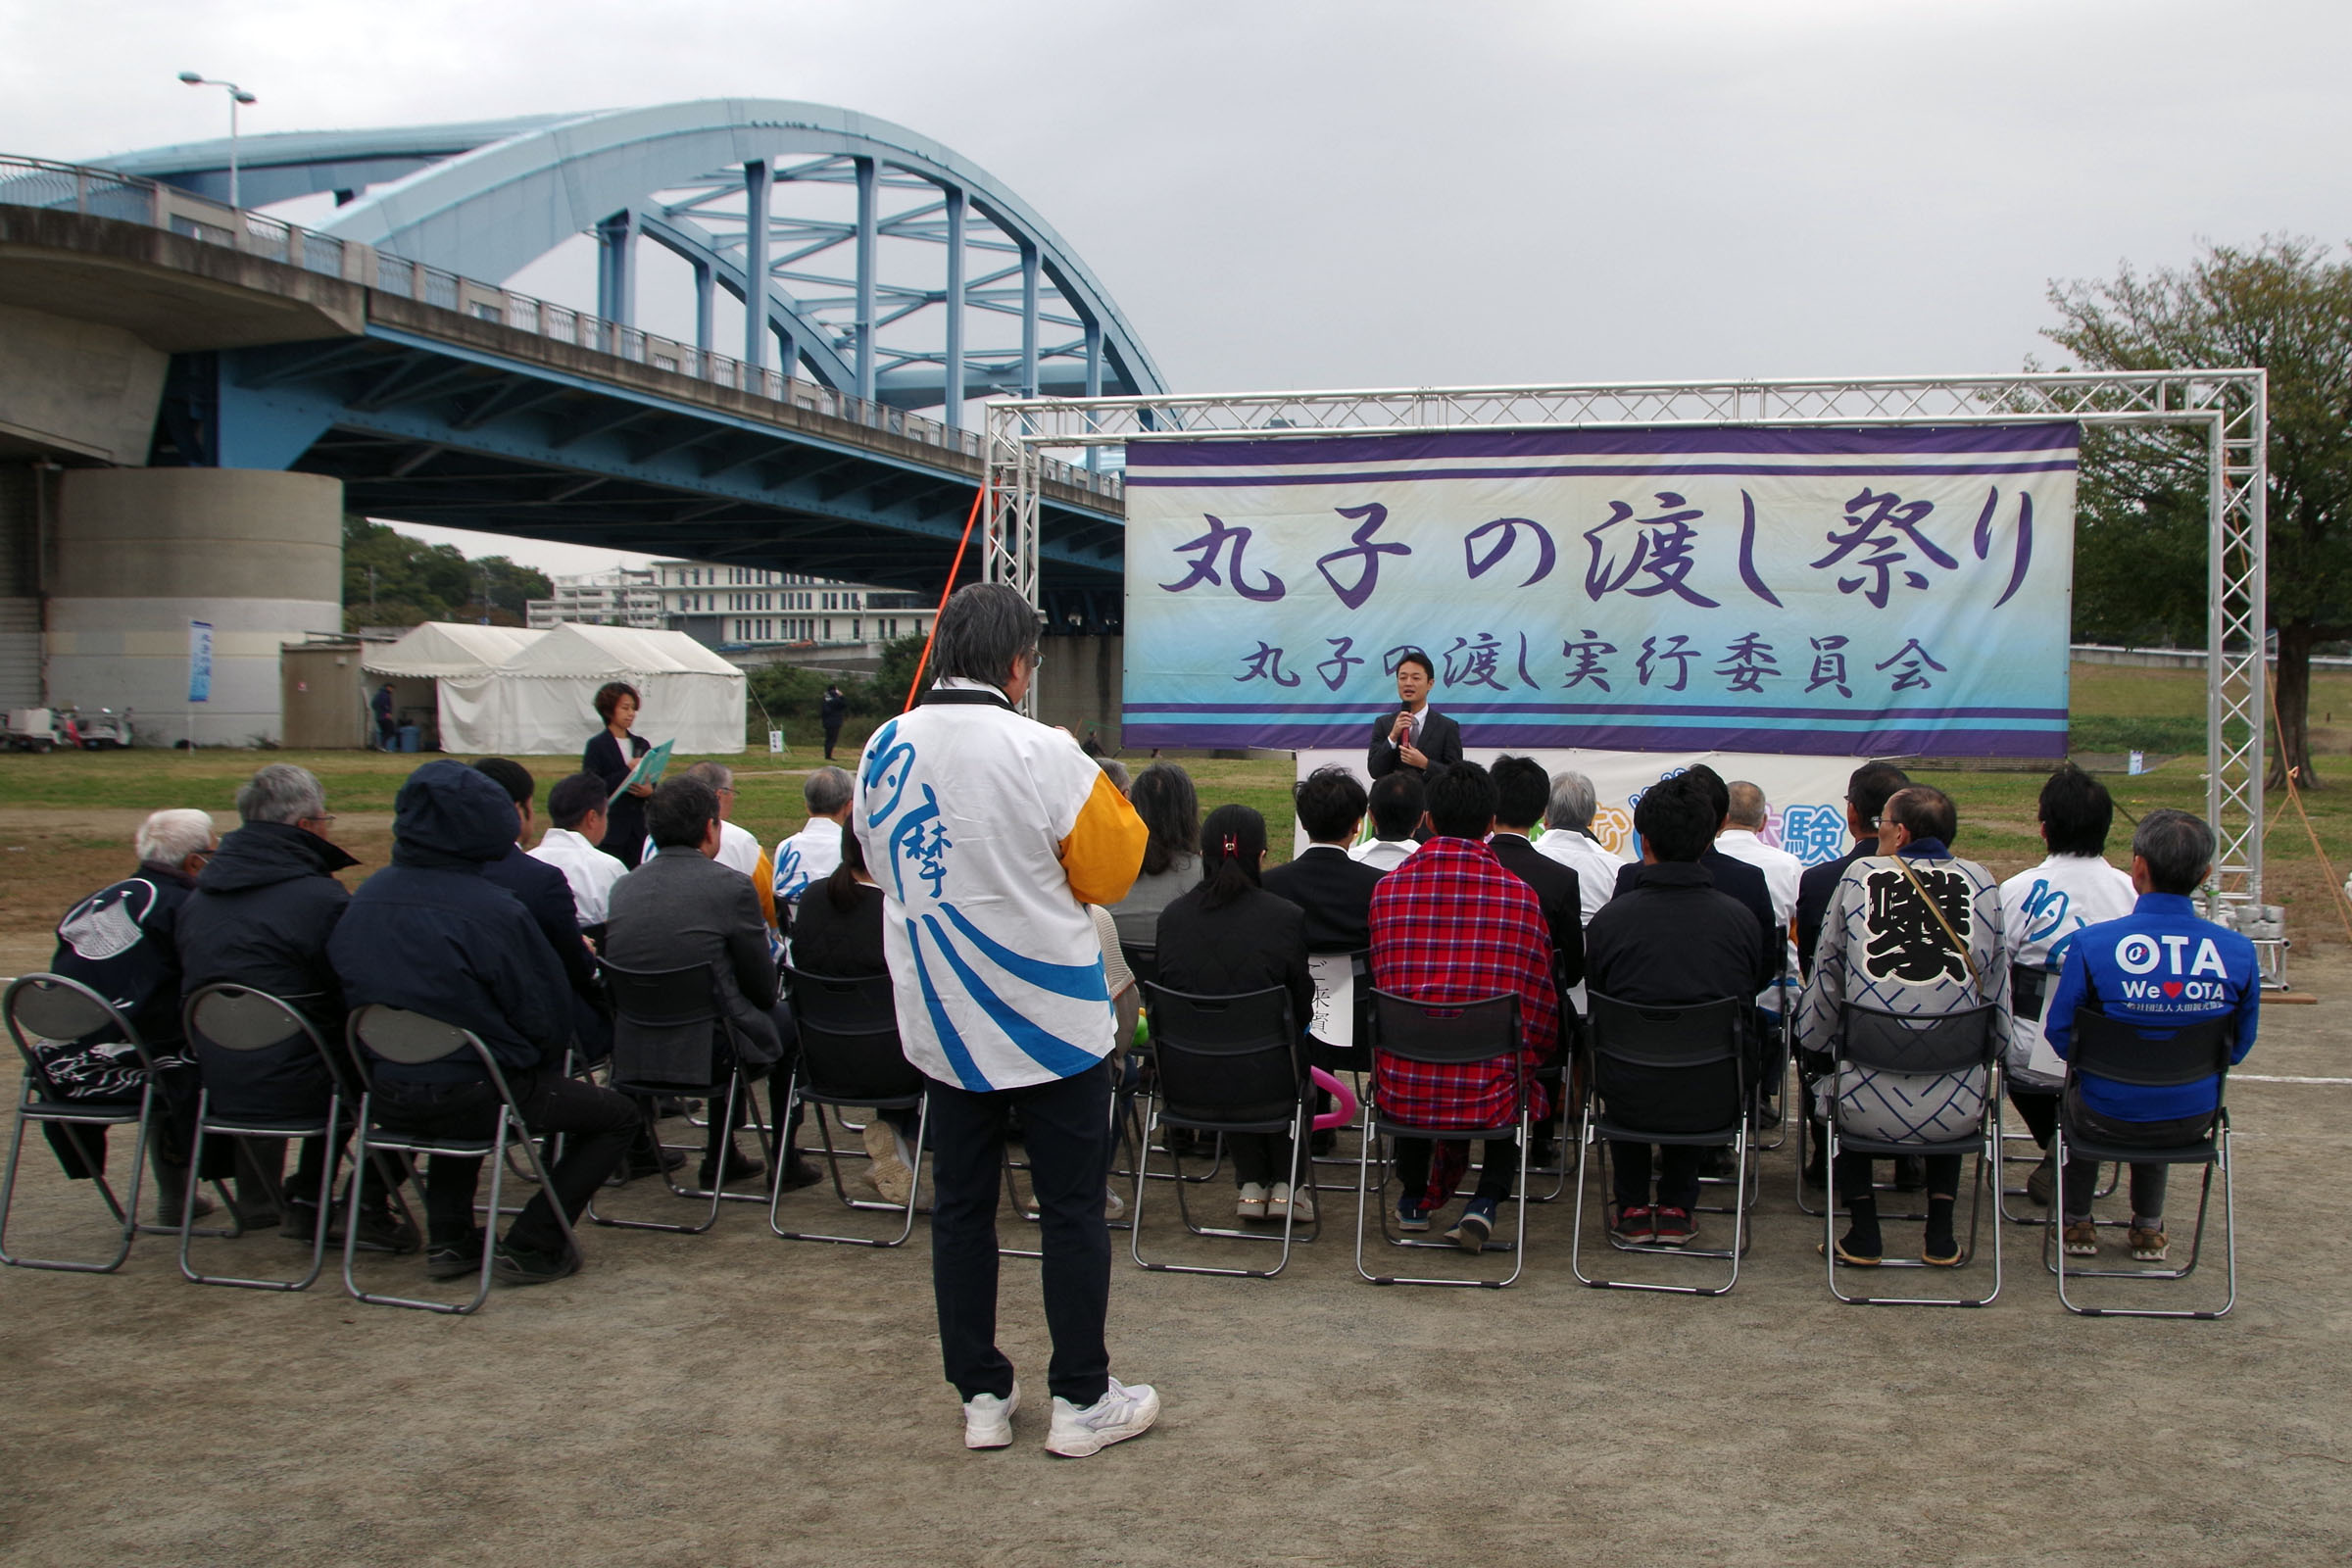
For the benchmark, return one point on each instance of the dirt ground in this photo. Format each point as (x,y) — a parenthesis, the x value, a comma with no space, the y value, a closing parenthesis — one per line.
(734,1399)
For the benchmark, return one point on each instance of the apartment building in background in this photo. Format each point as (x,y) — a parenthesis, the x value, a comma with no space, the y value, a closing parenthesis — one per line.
(749,610)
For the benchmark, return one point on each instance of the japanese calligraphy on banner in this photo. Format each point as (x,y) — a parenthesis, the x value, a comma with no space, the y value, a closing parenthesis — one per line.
(1823,591)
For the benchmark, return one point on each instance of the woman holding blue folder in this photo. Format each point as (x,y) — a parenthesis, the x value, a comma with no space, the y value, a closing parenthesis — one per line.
(610,755)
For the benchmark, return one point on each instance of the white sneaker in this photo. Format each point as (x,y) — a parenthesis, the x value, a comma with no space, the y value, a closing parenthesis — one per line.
(988,1420)
(1286,1202)
(1121,1413)
(1114,1205)
(1253,1199)
(888,1167)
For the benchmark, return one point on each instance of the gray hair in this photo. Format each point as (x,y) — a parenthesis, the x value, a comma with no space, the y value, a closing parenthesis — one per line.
(168,838)
(1116,771)
(827,791)
(718,775)
(1573,802)
(282,793)
(1747,805)
(2178,847)
(986,627)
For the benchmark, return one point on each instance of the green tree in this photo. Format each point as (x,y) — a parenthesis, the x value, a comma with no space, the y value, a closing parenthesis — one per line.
(2286,306)
(390,579)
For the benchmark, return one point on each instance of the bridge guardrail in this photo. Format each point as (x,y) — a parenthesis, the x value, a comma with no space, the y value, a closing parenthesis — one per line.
(104,193)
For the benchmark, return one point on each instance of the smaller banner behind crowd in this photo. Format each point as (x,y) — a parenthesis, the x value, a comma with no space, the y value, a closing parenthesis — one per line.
(1825,591)
(1805,795)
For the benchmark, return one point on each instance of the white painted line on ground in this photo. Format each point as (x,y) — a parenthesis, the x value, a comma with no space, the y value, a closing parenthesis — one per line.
(2266,1078)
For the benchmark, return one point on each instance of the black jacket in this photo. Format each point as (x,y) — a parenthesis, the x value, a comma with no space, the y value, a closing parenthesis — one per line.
(1557,889)
(624,817)
(1815,889)
(1254,942)
(1441,742)
(1335,891)
(122,943)
(261,916)
(1671,938)
(845,943)
(833,710)
(1741,881)
(432,934)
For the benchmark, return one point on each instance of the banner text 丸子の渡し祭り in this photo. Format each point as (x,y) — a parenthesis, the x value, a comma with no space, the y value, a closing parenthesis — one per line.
(1845,590)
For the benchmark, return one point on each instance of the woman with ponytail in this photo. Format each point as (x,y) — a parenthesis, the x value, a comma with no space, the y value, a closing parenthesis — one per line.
(837,933)
(1228,936)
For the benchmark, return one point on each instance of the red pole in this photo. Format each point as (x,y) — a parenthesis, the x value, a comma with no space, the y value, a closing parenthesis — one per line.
(980,496)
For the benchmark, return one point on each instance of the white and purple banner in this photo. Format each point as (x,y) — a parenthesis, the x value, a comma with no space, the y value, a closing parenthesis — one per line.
(1805,591)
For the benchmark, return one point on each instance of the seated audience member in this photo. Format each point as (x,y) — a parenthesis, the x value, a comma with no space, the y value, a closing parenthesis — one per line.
(1399,805)
(2043,912)
(1866,791)
(1735,877)
(1450,924)
(1671,940)
(1568,838)
(681,908)
(1116,771)
(1741,839)
(546,893)
(576,823)
(837,932)
(1332,887)
(1522,789)
(1229,936)
(1163,797)
(432,935)
(810,856)
(739,848)
(263,911)
(1884,946)
(2128,968)
(122,943)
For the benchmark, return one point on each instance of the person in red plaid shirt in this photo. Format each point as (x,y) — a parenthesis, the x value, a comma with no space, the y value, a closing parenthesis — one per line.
(1451,924)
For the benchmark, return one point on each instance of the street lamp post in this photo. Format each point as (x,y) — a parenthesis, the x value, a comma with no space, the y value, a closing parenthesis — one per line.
(236,95)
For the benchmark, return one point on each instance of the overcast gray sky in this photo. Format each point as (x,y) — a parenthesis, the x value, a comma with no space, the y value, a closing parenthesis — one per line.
(1373,194)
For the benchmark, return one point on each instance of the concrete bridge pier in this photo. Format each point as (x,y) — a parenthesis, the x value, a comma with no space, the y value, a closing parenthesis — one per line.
(134,554)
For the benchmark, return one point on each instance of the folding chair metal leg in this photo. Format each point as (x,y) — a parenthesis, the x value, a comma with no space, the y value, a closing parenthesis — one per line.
(351,1232)
(1303,1177)
(717,1192)
(914,1193)
(126,1211)
(1365,1194)
(1742,1153)
(325,1207)
(1987,1175)
(2196,1245)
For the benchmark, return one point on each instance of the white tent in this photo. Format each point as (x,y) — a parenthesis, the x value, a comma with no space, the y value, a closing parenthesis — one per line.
(541,701)
(439,648)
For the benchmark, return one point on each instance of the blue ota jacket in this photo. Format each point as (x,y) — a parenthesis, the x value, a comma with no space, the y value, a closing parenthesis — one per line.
(2159,965)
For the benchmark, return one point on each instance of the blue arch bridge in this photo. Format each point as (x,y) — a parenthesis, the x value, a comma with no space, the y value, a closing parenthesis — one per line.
(837,291)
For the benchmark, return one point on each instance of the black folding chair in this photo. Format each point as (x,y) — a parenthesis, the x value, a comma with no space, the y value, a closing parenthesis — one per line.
(849,1056)
(240,1019)
(657,1008)
(2110,1048)
(1671,1076)
(1143,961)
(412,1040)
(51,1009)
(1231,1064)
(1481,1031)
(1950,1042)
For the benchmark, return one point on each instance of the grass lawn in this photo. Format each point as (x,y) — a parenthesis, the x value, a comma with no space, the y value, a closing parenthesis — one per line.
(63,810)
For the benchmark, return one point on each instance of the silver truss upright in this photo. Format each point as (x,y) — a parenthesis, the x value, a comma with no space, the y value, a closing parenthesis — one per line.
(2230,408)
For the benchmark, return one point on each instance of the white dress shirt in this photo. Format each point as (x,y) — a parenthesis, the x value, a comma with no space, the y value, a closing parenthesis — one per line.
(1385,853)
(1595,866)
(1781,873)
(589,869)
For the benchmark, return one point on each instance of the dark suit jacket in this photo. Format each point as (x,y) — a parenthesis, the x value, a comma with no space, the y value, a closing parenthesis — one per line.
(678,910)
(1441,742)
(1556,889)
(1254,942)
(1335,891)
(1741,881)
(1814,891)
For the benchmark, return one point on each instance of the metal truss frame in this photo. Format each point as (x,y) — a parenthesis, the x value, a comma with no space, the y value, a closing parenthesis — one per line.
(2228,408)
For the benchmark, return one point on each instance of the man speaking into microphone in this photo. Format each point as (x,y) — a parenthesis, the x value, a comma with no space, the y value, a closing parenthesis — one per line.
(1416,737)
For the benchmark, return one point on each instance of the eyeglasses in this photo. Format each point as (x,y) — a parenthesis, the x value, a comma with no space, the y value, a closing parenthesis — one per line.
(327,820)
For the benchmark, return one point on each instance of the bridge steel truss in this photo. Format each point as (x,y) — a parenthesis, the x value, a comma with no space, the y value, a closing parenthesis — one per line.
(830,208)
(2227,409)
